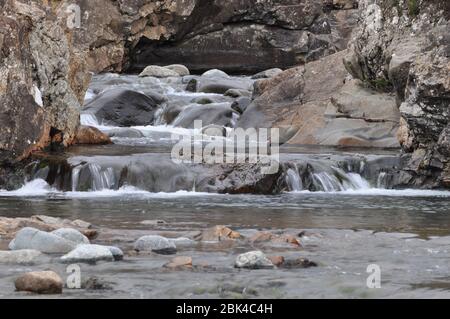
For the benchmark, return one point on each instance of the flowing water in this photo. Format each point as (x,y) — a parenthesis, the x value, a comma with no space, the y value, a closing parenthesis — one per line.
(337,201)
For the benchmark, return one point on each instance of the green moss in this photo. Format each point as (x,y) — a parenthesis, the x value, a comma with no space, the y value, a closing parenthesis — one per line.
(381,84)
(413,8)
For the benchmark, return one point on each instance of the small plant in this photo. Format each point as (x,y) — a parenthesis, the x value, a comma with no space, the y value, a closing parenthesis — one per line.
(413,8)
(381,84)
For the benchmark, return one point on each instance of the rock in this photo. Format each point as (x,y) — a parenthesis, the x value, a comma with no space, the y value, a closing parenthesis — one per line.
(182,242)
(214,130)
(253,260)
(20,257)
(276,260)
(202,100)
(123,108)
(218,233)
(235,93)
(40,282)
(211,114)
(125,133)
(31,238)
(298,263)
(220,85)
(267,74)
(116,252)
(158,72)
(241,104)
(215,73)
(72,235)
(171,112)
(263,237)
(178,68)
(88,254)
(94,283)
(90,135)
(157,244)
(179,262)
(192,85)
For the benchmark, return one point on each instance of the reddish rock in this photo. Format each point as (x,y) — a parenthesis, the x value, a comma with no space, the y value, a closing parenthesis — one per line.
(90,135)
(276,260)
(219,233)
(179,262)
(40,282)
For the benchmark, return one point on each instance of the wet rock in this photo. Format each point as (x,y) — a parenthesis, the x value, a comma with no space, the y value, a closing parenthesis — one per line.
(20,257)
(171,113)
(178,68)
(123,108)
(276,260)
(94,283)
(125,133)
(264,237)
(215,73)
(218,233)
(90,135)
(116,252)
(88,254)
(156,244)
(31,238)
(253,260)
(192,85)
(241,104)
(182,242)
(217,114)
(179,262)
(267,74)
(298,263)
(40,282)
(10,226)
(202,100)
(158,72)
(71,234)
(235,93)
(219,85)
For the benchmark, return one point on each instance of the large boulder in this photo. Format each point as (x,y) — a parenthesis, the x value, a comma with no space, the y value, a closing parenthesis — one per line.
(40,282)
(158,72)
(217,114)
(157,244)
(120,107)
(31,238)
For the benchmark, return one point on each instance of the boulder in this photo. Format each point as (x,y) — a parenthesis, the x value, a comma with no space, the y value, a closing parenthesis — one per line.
(120,107)
(219,85)
(215,73)
(31,238)
(88,254)
(40,282)
(71,234)
(241,104)
(192,85)
(90,135)
(124,133)
(267,74)
(157,244)
(116,252)
(253,260)
(158,72)
(211,114)
(20,257)
(178,68)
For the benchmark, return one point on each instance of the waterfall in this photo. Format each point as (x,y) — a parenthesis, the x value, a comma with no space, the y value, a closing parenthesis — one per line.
(75,178)
(339,180)
(89,120)
(101,179)
(382,180)
(293,180)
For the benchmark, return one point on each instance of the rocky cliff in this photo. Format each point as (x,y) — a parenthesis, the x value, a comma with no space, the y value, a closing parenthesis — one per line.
(404,47)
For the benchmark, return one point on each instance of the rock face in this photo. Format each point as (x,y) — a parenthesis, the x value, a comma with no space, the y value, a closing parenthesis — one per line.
(40,282)
(239,36)
(312,107)
(404,47)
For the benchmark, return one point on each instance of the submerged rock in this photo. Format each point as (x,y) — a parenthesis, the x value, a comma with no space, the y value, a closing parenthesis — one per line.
(156,244)
(179,262)
(40,282)
(88,254)
(31,238)
(218,233)
(253,260)
(20,257)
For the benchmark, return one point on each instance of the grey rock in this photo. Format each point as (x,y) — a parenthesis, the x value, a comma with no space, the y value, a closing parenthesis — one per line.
(72,235)
(267,74)
(240,105)
(235,93)
(215,73)
(20,257)
(178,68)
(125,133)
(88,254)
(217,114)
(31,238)
(253,260)
(158,72)
(157,244)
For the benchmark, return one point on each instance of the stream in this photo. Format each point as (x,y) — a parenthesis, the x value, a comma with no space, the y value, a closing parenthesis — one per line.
(339,200)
